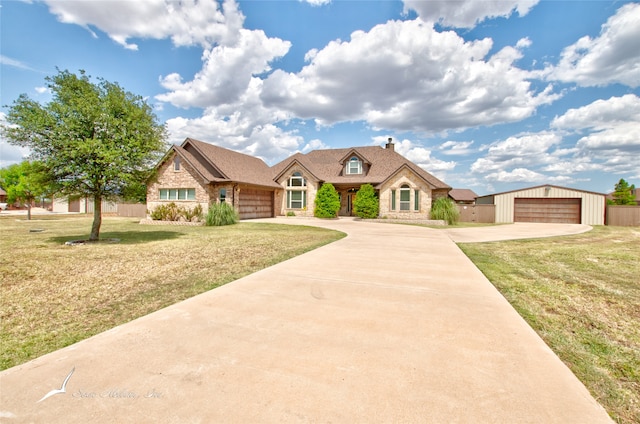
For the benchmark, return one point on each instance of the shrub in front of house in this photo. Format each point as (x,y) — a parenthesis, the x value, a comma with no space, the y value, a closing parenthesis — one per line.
(168,212)
(173,212)
(443,208)
(221,214)
(366,204)
(193,215)
(327,202)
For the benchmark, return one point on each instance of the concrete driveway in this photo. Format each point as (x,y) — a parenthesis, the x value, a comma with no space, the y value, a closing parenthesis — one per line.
(390,324)
(515,231)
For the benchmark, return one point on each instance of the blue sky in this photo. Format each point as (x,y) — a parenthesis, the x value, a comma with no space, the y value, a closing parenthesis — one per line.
(486,95)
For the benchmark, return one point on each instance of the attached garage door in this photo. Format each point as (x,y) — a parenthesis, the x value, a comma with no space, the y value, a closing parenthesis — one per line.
(560,211)
(256,204)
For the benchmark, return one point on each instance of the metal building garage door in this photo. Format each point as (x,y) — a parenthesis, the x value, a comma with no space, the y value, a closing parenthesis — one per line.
(256,204)
(560,211)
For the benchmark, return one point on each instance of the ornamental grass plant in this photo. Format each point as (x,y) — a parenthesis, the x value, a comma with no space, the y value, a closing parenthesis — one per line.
(220,214)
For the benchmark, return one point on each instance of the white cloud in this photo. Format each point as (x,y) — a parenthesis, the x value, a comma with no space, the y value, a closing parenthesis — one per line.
(612,57)
(600,114)
(188,22)
(612,127)
(516,175)
(623,137)
(607,134)
(456,148)
(524,175)
(467,13)
(226,73)
(417,80)
(8,61)
(315,144)
(518,151)
(244,125)
(316,2)
(422,157)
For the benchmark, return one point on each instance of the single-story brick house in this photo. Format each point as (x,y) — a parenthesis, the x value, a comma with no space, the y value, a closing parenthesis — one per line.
(200,173)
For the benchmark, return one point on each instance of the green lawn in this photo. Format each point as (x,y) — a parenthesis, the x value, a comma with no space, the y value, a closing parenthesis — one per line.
(582,295)
(54,295)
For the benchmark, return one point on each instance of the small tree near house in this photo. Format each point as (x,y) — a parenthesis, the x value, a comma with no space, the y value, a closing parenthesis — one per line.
(327,202)
(623,194)
(23,183)
(366,204)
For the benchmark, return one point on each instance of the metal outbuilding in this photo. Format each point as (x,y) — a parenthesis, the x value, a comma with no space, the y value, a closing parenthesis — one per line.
(547,203)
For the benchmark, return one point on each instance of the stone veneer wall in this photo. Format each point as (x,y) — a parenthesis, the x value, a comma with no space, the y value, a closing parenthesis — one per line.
(168,178)
(281,198)
(413,181)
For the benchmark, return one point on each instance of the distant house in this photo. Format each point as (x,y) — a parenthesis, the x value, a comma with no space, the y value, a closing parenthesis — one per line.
(3,195)
(463,196)
(200,173)
(80,204)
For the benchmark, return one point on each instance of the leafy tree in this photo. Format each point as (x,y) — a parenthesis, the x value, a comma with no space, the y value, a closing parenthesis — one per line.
(327,202)
(445,209)
(623,194)
(366,204)
(23,183)
(93,139)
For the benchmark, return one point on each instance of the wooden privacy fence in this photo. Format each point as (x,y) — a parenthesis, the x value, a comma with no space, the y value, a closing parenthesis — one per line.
(623,216)
(485,214)
(136,210)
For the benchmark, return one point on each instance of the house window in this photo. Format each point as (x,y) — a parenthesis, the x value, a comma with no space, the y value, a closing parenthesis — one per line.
(296,199)
(177,194)
(296,191)
(393,200)
(354,166)
(416,200)
(405,198)
(222,195)
(176,163)
(296,180)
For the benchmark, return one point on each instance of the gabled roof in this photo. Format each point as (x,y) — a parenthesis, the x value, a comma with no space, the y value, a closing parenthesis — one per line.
(462,195)
(230,165)
(327,165)
(297,159)
(351,153)
(217,164)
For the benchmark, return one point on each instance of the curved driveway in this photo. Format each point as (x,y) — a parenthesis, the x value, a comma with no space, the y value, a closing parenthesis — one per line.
(392,324)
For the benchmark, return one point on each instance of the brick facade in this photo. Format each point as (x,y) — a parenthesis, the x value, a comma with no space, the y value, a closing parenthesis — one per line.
(405,177)
(168,178)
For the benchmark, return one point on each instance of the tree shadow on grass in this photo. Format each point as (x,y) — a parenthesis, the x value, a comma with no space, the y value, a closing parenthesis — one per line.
(121,237)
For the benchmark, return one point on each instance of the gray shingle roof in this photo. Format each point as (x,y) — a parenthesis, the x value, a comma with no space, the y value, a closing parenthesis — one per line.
(462,195)
(230,165)
(326,165)
(217,164)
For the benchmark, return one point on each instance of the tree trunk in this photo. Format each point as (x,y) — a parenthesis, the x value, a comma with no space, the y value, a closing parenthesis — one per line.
(28,211)
(97,218)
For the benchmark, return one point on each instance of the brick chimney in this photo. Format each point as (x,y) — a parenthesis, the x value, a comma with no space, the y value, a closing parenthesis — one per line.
(389,144)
